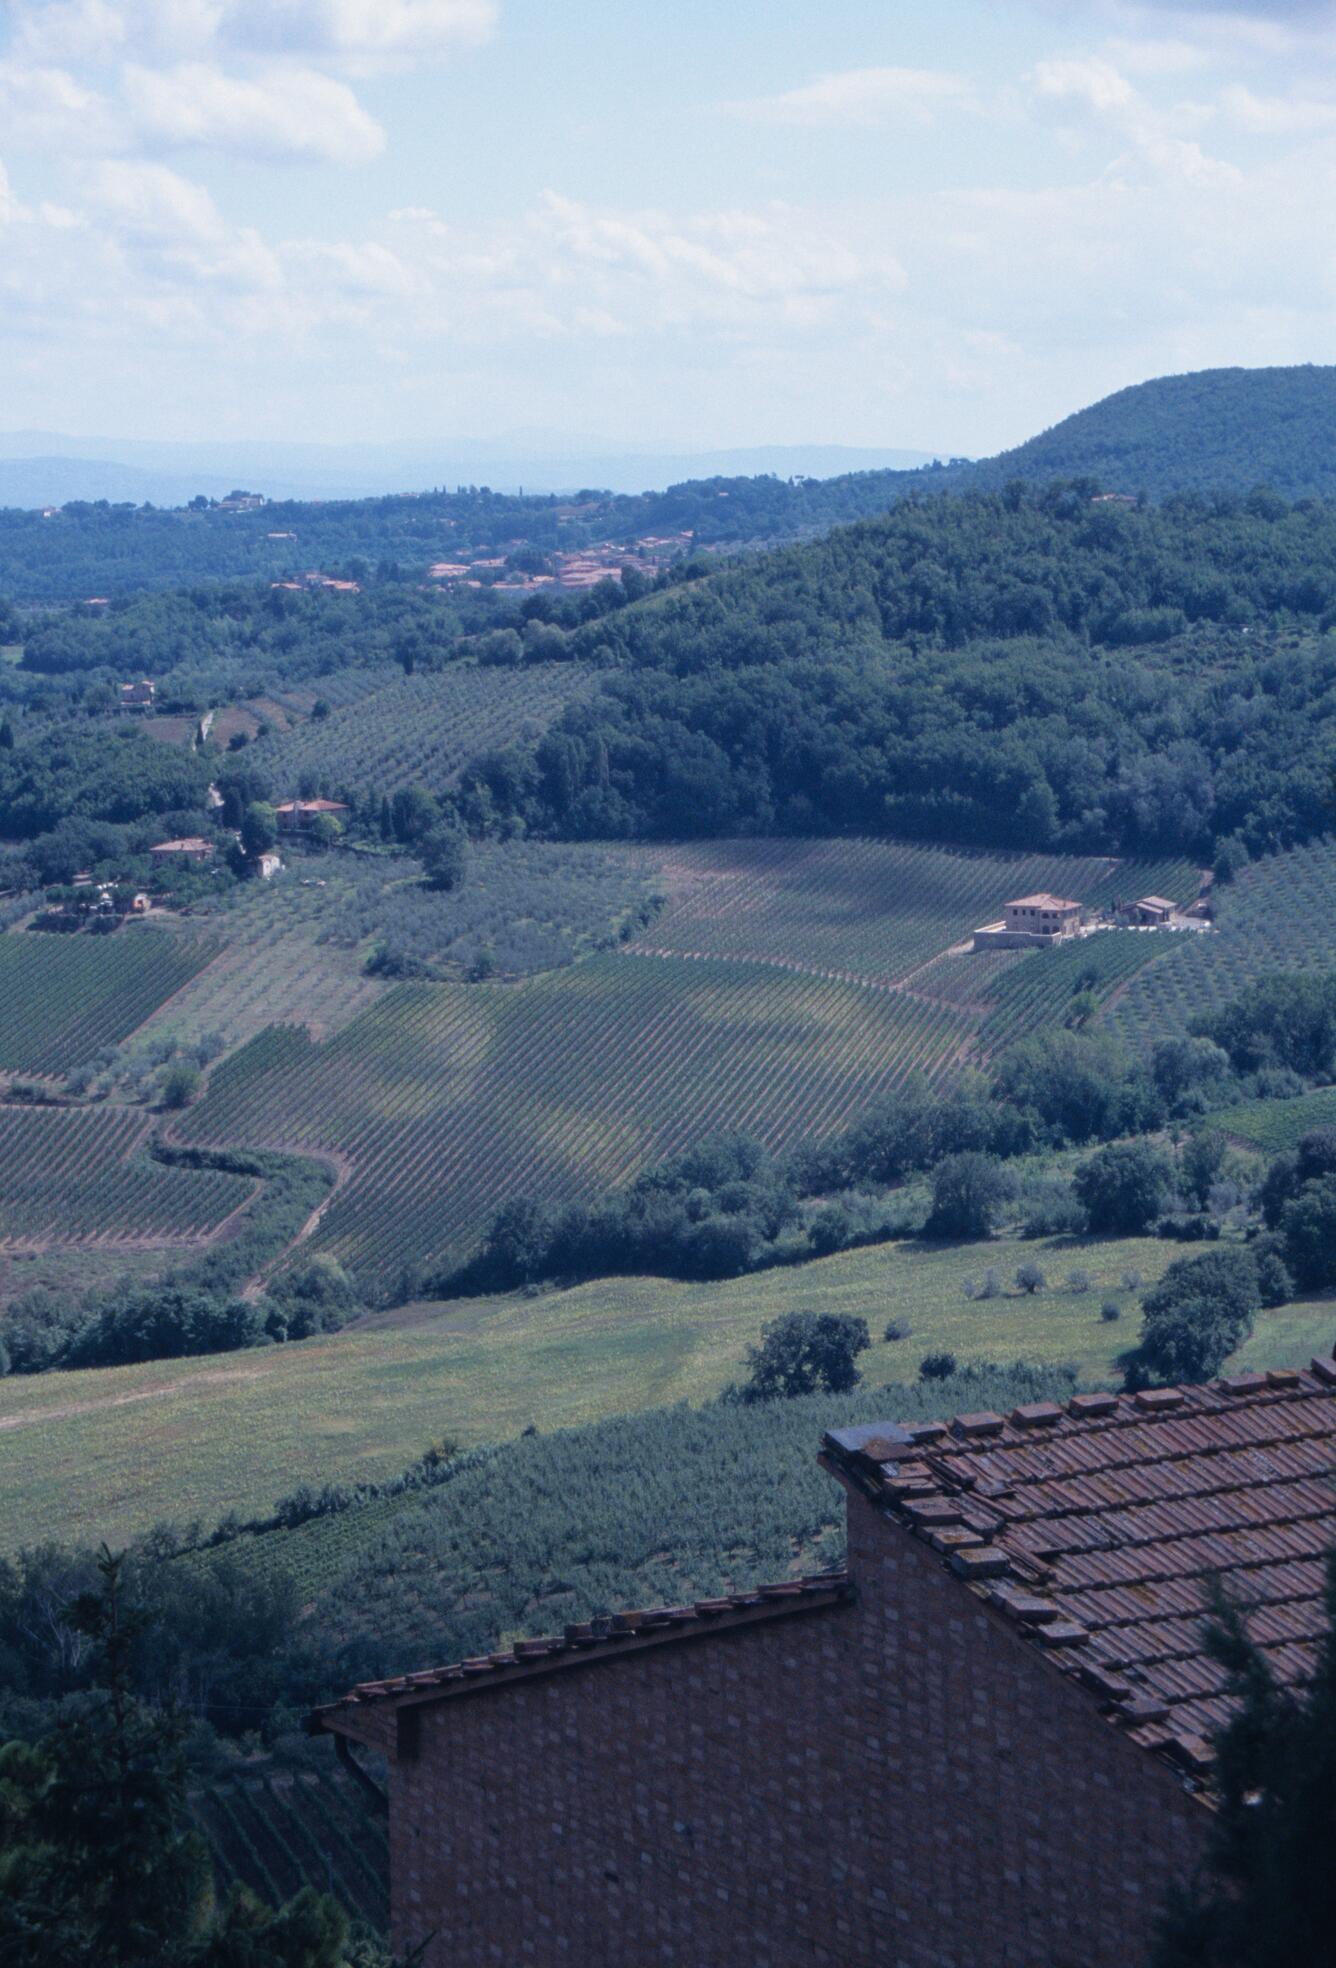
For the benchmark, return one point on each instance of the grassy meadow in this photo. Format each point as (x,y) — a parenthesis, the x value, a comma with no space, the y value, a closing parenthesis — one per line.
(199,1437)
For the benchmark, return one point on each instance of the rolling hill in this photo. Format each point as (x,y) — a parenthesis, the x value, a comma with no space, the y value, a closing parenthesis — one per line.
(1216,430)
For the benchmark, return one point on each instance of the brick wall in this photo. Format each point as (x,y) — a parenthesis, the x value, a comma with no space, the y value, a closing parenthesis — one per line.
(896,1783)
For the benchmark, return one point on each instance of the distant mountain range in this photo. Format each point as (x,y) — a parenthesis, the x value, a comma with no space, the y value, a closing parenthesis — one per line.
(43,468)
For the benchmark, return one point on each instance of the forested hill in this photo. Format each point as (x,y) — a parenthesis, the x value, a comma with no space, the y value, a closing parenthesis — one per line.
(1034,667)
(1221,430)
(1215,430)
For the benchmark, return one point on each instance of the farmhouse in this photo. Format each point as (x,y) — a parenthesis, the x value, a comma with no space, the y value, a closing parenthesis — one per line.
(1155,910)
(1031,922)
(987,1742)
(138,696)
(192,849)
(295,816)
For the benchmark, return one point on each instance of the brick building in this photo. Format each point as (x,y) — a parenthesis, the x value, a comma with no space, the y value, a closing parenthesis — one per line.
(985,1743)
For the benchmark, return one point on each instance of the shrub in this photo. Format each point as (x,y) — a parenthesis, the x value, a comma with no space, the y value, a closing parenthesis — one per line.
(897,1329)
(937,1366)
(1109,1311)
(1030,1278)
(1078,1281)
(992,1284)
(1132,1280)
(180,1084)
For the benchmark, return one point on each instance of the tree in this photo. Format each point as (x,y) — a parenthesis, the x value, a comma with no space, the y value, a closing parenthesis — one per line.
(101,1865)
(1264,1898)
(803,1352)
(259,828)
(444,854)
(180,1084)
(1308,1231)
(1200,1311)
(1030,1279)
(413,812)
(968,1193)
(323,831)
(1124,1186)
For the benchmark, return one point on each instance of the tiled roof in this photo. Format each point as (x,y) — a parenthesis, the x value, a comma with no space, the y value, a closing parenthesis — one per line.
(1097,1527)
(1044,901)
(611,1636)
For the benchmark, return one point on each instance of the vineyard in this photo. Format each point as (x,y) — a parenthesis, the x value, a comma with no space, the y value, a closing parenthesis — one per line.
(63,998)
(448,1099)
(280,1834)
(72,1176)
(1278,914)
(421,728)
(1275,1125)
(877,909)
(1037,990)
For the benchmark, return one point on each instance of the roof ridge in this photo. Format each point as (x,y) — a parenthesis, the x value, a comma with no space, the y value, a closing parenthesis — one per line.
(602,1630)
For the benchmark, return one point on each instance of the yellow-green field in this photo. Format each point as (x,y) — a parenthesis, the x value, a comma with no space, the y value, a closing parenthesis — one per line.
(107,1452)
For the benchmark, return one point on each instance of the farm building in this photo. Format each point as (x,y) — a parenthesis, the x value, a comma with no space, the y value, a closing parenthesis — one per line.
(192,849)
(986,1742)
(1153,910)
(268,864)
(1031,922)
(295,816)
(138,696)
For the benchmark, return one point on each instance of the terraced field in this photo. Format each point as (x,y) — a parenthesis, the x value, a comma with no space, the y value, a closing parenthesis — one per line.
(74,1177)
(447,1099)
(417,729)
(1278,914)
(276,1835)
(62,998)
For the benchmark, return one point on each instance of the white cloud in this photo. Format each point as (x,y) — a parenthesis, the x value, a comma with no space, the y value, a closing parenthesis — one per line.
(48,109)
(357,27)
(285,112)
(1277,116)
(863,95)
(1093,81)
(76,31)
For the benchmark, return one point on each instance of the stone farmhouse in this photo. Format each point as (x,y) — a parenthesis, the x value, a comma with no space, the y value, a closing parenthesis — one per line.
(193,848)
(987,1742)
(295,816)
(1032,922)
(139,696)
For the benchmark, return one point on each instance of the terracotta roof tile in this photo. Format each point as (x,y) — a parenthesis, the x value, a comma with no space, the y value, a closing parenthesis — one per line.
(1105,1525)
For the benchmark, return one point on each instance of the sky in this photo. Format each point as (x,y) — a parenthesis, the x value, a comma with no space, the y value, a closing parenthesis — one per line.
(725,222)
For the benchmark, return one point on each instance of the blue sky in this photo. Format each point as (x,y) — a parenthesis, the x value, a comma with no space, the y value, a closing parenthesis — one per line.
(744,222)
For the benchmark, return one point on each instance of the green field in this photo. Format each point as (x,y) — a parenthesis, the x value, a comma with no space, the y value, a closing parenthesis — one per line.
(1278,914)
(198,1437)
(63,998)
(418,730)
(81,1175)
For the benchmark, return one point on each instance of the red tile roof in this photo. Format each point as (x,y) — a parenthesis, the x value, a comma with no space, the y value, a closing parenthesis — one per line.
(611,1636)
(1043,901)
(1098,1527)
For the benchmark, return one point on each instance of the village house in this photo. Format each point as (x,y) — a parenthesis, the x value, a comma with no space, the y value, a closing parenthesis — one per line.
(1031,922)
(191,849)
(295,816)
(138,696)
(986,1742)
